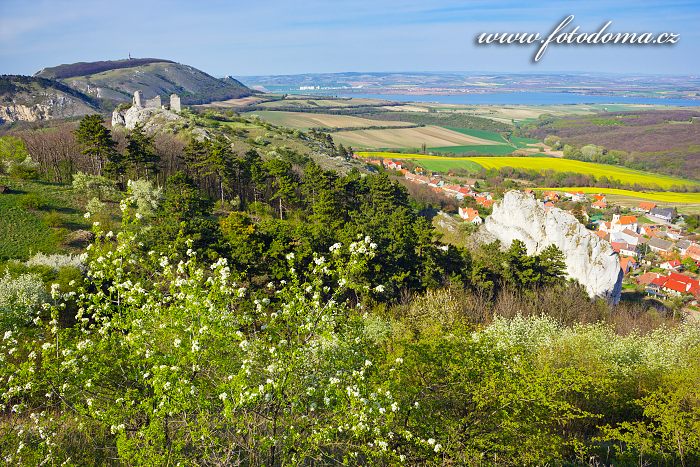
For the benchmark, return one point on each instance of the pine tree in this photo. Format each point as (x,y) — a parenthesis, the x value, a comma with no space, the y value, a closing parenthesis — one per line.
(140,153)
(284,183)
(96,142)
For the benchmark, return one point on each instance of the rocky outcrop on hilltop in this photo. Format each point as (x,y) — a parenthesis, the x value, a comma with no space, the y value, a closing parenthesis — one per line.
(154,120)
(149,118)
(589,260)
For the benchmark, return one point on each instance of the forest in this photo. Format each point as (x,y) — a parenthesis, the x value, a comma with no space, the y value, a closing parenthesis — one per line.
(238,307)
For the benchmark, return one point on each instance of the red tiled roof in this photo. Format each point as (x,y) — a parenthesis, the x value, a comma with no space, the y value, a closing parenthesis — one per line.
(683,278)
(693,251)
(660,281)
(470,214)
(627,220)
(626,263)
(677,286)
(648,278)
(647,205)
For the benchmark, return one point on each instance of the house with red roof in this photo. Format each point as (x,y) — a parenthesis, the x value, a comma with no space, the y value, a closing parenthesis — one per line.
(624,249)
(627,264)
(693,251)
(620,223)
(600,204)
(647,278)
(672,265)
(550,196)
(484,201)
(677,284)
(470,215)
(645,206)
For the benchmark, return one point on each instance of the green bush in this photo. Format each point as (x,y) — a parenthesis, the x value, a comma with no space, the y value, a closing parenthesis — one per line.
(27,169)
(33,201)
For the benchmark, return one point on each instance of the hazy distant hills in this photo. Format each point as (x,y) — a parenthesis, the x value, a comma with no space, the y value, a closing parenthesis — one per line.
(118,79)
(657,86)
(27,98)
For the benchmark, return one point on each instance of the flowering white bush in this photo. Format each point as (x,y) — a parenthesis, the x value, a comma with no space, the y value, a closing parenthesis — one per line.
(58,261)
(94,186)
(21,297)
(144,195)
(190,354)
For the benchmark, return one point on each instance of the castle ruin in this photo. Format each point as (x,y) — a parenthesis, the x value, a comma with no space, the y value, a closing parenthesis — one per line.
(155,102)
(175,103)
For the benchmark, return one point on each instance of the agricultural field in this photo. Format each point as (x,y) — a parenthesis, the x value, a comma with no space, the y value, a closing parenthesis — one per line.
(431,136)
(541,164)
(308,102)
(686,203)
(305,121)
(521,113)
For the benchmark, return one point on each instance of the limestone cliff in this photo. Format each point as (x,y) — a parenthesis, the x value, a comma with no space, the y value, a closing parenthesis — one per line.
(24,98)
(589,260)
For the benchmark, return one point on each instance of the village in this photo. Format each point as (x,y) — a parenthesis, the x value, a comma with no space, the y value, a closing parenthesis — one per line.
(659,257)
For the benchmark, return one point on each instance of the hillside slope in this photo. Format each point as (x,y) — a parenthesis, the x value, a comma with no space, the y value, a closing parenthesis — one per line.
(665,141)
(26,98)
(117,80)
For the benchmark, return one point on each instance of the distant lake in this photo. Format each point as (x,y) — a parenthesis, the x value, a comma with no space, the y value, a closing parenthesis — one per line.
(511,98)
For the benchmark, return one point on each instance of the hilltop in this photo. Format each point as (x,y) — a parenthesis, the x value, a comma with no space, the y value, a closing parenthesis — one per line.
(30,99)
(115,81)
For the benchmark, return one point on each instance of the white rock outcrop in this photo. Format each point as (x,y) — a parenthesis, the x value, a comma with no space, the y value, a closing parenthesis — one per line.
(589,259)
(150,118)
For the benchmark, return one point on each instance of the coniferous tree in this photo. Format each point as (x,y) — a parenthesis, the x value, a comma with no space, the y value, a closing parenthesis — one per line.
(96,142)
(284,183)
(140,154)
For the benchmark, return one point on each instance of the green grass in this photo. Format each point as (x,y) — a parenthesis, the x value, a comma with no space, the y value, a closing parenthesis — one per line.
(544,164)
(27,231)
(489,149)
(503,148)
(483,134)
(520,142)
(437,165)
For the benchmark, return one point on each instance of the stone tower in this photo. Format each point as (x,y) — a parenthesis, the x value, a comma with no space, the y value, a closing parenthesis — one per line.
(153,103)
(137,102)
(175,103)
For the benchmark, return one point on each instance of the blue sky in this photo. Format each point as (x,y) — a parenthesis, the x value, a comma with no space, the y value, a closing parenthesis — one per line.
(286,37)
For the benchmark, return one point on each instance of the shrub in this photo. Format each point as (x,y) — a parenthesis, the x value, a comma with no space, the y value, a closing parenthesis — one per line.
(95,206)
(57,261)
(33,201)
(53,219)
(145,196)
(27,169)
(94,186)
(21,297)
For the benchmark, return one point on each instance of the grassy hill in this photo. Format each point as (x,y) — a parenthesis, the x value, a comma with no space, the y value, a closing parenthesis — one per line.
(117,80)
